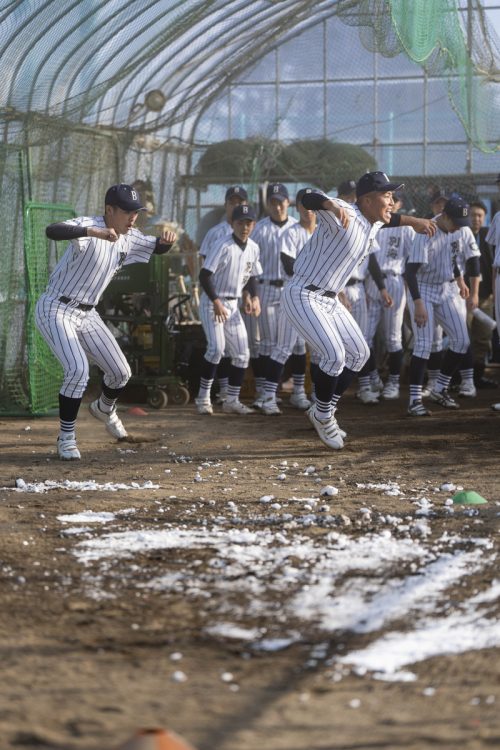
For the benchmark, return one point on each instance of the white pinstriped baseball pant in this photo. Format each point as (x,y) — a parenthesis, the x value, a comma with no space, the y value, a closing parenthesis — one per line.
(328,327)
(356,296)
(224,339)
(77,337)
(391,317)
(446,308)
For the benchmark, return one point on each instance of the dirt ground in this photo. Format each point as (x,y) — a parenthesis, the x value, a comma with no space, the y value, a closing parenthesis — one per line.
(91,651)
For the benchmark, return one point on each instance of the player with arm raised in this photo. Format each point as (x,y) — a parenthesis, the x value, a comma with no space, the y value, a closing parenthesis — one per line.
(343,237)
(66,315)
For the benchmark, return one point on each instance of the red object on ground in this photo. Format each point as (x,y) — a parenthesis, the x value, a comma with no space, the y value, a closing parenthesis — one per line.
(136,411)
(156,739)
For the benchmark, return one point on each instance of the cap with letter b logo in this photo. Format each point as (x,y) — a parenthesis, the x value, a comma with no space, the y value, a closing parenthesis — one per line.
(124,196)
(243,212)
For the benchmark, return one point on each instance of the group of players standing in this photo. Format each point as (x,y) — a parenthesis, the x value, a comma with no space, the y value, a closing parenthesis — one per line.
(329,281)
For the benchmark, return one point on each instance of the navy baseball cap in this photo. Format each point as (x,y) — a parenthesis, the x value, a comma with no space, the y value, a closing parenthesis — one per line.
(238,190)
(123,196)
(243,212)
(458,211)
(301,193)
(346,187)
(277,190)
(375,182)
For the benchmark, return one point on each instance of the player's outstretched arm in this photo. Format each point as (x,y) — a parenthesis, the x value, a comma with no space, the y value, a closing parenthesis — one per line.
(421,226)
(317,201)
(65,231)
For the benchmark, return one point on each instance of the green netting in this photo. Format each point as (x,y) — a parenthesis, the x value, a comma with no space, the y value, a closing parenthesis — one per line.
(31,375)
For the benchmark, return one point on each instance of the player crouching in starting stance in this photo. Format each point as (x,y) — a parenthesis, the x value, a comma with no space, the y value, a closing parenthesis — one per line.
(344,237)
(229,272)
(66,315)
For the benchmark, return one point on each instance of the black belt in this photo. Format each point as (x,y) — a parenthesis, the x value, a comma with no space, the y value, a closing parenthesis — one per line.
(230,299)
(78,305)
(354,281)
(272,282)
(312,288)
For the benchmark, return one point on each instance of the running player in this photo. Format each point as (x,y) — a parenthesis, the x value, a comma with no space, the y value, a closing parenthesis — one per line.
(344,236)
(267,235)
(228,270)
(431,272)
(66,315)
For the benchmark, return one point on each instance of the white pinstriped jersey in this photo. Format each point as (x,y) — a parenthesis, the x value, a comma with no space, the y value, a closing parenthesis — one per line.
(232,266)
(332,253)
(89,264)
(439,255)
(463,246)
(394,247)
(293,240)
(214,236)
(493,238)
(267,235)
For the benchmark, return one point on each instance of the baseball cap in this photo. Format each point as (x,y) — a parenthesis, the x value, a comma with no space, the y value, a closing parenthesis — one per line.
(124,196)
(277,190)
(236,190)
(301,193)
(346,187)
(243,212)
(439,195)
(458,210)
(375,182)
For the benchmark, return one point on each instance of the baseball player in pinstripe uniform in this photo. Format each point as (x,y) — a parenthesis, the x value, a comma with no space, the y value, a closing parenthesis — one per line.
(343,238)
(292,241)
(229,272)
(66,315)
(432,274)
(267,234)
(394,245)
(493,238)
(236,195)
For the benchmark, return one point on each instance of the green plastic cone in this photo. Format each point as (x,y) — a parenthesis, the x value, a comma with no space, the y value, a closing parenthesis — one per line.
(468,497)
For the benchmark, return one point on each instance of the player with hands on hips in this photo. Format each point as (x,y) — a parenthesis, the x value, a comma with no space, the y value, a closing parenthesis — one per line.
(432,275)
(343,238)
(228,273)
(66,316)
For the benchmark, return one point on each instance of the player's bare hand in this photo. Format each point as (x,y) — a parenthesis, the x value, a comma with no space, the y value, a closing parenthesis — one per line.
(472,302)
(247,303)
(221,313)
(386,298)
(420,316)
(107,233)
(342,297)
(463,288)
(168,237)
(424,226)
(340,212)
(255,307)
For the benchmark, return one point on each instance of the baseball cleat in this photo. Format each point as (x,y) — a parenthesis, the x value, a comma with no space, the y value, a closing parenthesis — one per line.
(417,409)
(390,392)
(67,448)
(299,401)
(203,406)
(444,399)
(111,421)
(270,408)
(495,407)
(221,396)
(468,390)
(328,431)
(367,396)
(236,407)
(342,433)
(259,400)
(377,385)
